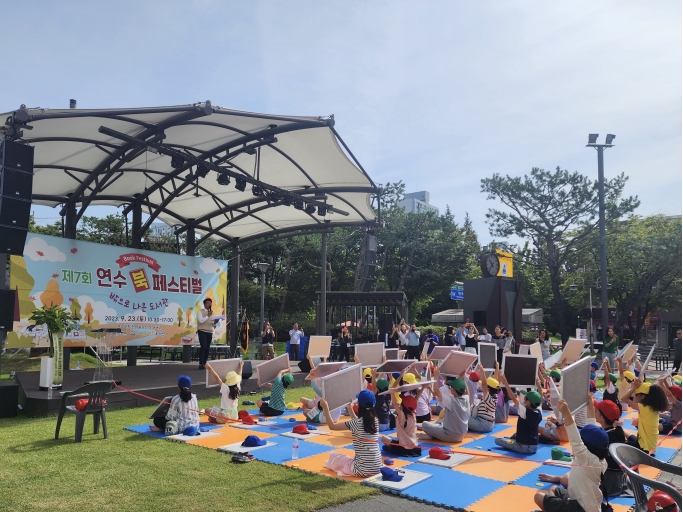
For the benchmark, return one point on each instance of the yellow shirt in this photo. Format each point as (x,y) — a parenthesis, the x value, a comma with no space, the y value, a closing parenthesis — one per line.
(648,427)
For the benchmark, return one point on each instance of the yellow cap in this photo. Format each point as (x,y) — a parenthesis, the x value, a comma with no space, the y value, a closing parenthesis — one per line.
(644,388)
(409,378)
(492,383)
(630,375)
(367,372)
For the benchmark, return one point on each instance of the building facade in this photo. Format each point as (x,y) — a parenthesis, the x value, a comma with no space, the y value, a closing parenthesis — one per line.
(417,202)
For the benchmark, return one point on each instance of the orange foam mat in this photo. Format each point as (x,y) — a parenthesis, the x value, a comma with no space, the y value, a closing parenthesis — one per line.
(316,464)
(506,433)
(503,470)
(334,441)
(671,442)
(511,498)
(226,436)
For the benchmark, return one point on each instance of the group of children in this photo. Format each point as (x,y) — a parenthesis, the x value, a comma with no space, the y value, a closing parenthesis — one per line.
(462,407)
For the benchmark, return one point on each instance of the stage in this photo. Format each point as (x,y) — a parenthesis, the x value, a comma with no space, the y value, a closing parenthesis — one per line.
(154,380)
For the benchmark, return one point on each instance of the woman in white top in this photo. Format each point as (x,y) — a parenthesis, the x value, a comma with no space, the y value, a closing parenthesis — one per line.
(544,340)
(205,325)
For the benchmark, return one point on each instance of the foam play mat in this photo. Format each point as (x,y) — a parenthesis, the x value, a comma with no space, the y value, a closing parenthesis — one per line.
(492,479)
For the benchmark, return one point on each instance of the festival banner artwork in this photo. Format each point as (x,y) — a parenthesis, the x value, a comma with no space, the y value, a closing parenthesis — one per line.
(152,297)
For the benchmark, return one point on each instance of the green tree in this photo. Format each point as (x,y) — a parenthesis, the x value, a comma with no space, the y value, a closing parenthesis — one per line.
(558,212)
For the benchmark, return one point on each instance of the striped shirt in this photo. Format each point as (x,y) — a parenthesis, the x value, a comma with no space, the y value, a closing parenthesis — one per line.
(185,414)
(368,460)
(486,408)
(277,395)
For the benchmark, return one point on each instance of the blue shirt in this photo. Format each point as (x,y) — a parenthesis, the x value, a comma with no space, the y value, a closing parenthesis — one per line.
(460,337)
(413,338)
(433,341)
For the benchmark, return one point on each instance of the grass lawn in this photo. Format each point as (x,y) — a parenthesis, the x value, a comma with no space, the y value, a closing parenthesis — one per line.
(130,471)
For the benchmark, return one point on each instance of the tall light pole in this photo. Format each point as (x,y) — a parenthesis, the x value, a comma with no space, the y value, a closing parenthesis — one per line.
(263,267)
(592,138)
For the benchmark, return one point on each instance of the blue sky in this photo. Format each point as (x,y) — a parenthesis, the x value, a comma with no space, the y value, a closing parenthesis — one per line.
(438,94)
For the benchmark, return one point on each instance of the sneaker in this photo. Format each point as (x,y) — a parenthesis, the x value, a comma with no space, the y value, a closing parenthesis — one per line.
(242,458)
(248,402)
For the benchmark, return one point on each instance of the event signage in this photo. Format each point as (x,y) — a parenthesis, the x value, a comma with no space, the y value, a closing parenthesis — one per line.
(457,292)
(152,297)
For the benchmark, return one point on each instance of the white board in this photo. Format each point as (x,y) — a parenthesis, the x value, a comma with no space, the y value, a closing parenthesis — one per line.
(238,448)
(629,351)
(425,348)
(575,385)
(535,350)
(399,364)
(456,363)
(370,354)
(319,346)
(402,354)
(180,438)
(310,435)
(621,352)
(523,350)
(222,367)
(453,460)
(440,353)
(553,360)
(572,350)
(268,370)
(324,369)
(410,478)
(341,388)
(487,355)
(408,387)
(392,353)
(520,370)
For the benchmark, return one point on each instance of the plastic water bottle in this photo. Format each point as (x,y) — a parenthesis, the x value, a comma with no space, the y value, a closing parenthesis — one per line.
(295,449)
(49,392)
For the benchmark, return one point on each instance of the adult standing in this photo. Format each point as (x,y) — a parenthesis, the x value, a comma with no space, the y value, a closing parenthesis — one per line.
(205,324)
(392,340)
(430,339)
(677,352)
(544,340)
(485,336)
(471,335)
(509,341)
(295,335)
(460,336)
(403,336)
(609,346)
(413,343)
(499,339)
(344,343)
(267,341)
(449,337)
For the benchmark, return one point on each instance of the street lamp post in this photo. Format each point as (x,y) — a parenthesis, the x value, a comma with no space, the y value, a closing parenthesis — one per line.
(592,138)
(263,267)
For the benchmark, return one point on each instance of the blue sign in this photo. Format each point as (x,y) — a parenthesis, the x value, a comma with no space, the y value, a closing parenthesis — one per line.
(457,292)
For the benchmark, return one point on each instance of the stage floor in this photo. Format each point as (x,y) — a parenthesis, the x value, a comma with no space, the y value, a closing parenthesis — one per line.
(154,380)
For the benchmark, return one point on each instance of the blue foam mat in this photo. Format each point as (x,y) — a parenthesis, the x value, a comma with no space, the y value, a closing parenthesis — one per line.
(282,451)
(531,479)
(498,427)
(436,489)
(665,454)
(144,429)
(488,443)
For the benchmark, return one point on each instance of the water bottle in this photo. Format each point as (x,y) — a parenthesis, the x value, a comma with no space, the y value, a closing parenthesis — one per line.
(49,392)
(295,449)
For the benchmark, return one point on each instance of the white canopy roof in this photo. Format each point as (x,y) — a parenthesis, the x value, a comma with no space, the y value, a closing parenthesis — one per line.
(124,157)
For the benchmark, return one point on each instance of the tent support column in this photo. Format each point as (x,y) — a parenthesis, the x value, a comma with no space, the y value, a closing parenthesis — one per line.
(70,221)
(322,318)
(190,242)
(234,298)
(136,235)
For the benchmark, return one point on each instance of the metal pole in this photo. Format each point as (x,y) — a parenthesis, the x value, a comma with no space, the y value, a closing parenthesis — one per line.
(234,298)
(322,328)
(263,295)
(603,245)
(590,317)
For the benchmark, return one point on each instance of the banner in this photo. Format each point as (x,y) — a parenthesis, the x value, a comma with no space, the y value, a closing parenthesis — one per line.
(152,297)
(505,259)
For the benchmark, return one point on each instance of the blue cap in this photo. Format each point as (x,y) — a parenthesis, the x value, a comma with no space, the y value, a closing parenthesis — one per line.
(252,441)
(396,375)
(184,381)
(595,365)
(191,430)
(636,371)
(391,475)
(594,435)
(366,398)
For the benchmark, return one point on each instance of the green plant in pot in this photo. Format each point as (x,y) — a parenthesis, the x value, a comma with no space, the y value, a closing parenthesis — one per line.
(57,320)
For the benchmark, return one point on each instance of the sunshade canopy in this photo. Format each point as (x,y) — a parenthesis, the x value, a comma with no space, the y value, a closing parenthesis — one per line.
(278,174)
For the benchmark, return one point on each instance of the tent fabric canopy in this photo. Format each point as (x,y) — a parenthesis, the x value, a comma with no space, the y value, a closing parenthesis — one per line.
(167,160)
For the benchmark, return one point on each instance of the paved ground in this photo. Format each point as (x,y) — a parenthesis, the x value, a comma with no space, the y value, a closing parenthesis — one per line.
(384,503)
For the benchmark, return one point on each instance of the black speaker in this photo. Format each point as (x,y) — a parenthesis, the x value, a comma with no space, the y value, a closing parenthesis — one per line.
(9,399)
(247,371)
(8,306)
(385,320)
(369,261)
(16,187)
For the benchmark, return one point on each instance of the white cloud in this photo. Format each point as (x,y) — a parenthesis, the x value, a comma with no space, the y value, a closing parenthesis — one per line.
(101,310)
(171,311)
(209,266)
(38,250)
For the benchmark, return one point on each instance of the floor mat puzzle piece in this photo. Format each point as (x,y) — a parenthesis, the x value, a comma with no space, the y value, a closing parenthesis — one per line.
(282,452)
(453,460)
(305,437)
(497,468)
(179,438)
(531,479)
(489,444)
(316,464)
(144,429)
(238,448)
(435,490)
(511,498)
(409,479)
(225,436)
(665,454)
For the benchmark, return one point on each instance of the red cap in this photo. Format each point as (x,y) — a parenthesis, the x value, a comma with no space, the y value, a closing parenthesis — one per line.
(609,410)
(474,376)
(242,414)
(248,420)
(438,453)
(300,429)
(676,391)
(409,401)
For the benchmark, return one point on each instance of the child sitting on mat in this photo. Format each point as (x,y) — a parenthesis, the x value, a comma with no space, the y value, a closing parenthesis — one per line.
(607,414)
(406,444)
(382,403)
(367,459)
(580,490)
(529,416)
(183,409)
(670,423)
(649,400)
(312,408)
(276,406)
(483,412)
(453,399)
(230,394)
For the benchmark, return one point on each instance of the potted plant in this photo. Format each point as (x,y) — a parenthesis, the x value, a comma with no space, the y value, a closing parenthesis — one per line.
(57,320)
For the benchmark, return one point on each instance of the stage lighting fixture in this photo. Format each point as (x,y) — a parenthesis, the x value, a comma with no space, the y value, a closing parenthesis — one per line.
(202,171)
(177,162)
(240,184)
(274,196)
(322,210)
(299,204)
(592,138)
(609,138)
(310,209)
(223,178)
(257,190)
(287,200)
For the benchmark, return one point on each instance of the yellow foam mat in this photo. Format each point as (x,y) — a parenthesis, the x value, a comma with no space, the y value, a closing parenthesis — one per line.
(503,470)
